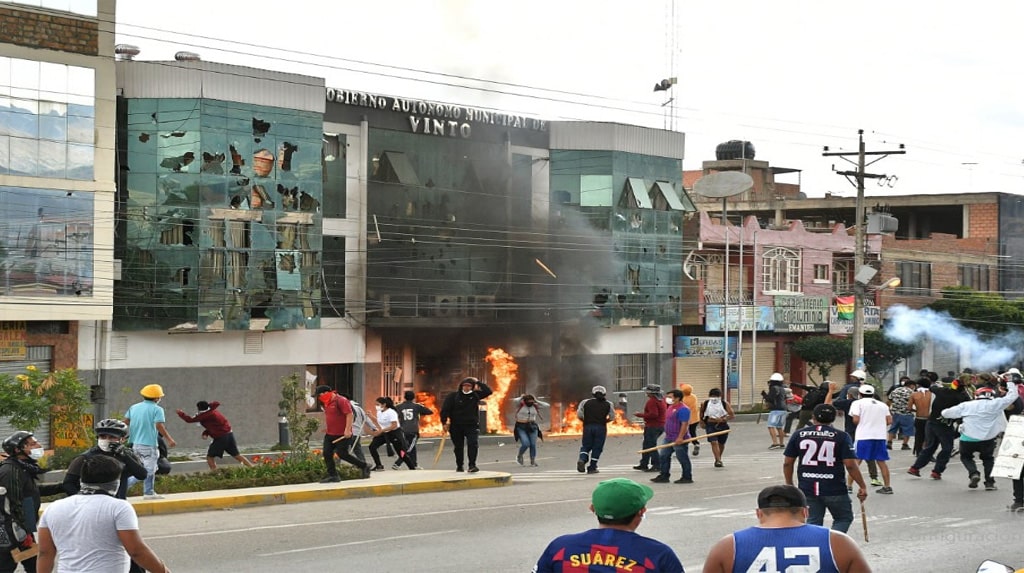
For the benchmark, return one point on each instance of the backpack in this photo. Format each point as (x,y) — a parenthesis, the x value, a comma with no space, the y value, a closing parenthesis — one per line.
(814,397)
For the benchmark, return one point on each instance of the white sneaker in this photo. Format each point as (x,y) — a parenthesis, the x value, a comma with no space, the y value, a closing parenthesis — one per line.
(153,496)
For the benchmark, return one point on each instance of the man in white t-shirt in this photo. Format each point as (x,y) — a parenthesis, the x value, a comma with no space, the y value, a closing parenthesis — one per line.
(873,419)
(94,532)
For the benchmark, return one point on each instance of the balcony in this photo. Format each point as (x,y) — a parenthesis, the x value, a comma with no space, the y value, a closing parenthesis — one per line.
(736,297)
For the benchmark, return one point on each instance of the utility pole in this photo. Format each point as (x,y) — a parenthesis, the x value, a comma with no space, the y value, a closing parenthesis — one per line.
(859,282)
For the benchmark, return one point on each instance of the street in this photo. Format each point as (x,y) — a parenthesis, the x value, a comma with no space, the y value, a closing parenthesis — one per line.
(926,526)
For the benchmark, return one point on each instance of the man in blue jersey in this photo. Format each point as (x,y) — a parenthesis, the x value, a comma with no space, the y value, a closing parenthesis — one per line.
(824,452)
(620,505)
(783,541)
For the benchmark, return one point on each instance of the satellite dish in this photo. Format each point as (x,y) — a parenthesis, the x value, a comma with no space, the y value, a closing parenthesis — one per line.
(723,184)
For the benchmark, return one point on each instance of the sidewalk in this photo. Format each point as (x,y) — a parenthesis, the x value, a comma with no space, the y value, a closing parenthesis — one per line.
(379,484)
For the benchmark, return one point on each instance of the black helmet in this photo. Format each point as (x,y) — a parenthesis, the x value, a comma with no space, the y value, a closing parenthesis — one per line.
(112,427)
(16,441)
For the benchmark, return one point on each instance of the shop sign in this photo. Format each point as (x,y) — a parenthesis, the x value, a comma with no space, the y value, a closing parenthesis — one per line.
(739,318)
(702,346)
(434,118)
(13,340)
(801,313)
(872,320)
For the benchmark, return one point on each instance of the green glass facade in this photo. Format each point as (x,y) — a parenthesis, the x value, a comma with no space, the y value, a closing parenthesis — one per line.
(618,197)
(219,218)
(439,212)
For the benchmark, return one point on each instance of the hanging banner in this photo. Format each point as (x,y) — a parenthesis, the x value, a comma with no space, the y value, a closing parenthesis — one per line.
(740,318)
(845,306)
(872,320)
(801,313)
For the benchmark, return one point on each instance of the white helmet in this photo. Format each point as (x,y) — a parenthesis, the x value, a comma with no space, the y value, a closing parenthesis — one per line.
(858,374)
(776,377)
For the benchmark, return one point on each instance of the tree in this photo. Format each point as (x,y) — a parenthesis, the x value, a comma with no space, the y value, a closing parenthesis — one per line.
(984,312)
(822,353)
(293,406)
(28,399)
(882,354)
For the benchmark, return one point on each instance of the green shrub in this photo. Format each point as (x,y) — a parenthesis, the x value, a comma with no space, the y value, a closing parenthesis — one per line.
(61,457)
(278,469)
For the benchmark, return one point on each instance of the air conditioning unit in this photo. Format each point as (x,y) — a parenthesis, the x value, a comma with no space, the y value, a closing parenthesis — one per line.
(448,305)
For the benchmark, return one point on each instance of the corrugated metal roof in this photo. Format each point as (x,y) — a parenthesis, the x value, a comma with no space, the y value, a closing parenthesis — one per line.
(586,135)
(210,80)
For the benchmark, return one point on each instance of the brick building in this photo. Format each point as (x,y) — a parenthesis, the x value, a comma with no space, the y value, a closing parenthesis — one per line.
(942,240)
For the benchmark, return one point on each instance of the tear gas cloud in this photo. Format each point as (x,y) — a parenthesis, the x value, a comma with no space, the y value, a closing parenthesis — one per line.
(909,325)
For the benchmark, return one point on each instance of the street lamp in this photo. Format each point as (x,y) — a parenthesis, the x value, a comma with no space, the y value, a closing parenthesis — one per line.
(860,283)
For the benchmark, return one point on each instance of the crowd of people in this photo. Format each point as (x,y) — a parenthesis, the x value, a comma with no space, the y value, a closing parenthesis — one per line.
(820,466)
(962,415)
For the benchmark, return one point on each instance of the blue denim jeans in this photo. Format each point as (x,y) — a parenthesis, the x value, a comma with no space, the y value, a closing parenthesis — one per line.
(527,440)
(840,506)
(682,454)
(148,455)
(651,436)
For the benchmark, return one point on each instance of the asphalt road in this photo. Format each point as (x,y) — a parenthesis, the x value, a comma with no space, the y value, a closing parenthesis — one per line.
(939,526)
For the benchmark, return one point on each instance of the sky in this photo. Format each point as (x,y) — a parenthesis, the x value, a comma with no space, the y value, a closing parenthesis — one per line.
(790,76)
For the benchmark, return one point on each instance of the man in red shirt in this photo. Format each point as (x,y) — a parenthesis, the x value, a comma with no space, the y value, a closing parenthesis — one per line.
(654,425)
(338,415)
(215,426)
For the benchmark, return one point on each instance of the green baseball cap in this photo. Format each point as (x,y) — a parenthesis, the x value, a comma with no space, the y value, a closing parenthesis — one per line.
(620,497)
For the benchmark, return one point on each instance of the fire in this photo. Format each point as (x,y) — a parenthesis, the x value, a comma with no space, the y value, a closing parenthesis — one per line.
(429,425)
(571,425)
(503,374)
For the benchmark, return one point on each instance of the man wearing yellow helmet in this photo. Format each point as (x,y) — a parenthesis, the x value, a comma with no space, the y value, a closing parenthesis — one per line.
(145,422)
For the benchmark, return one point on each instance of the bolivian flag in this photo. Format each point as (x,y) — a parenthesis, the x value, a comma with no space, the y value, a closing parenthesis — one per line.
(844,307)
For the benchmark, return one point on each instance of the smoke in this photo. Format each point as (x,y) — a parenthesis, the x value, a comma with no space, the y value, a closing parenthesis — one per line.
(908,325)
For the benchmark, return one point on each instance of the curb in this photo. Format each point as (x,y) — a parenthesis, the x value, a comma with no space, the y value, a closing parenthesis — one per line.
(303,493)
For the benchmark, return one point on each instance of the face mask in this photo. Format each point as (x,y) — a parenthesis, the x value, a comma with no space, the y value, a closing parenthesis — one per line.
(715,400)
(669,400)
(103,445)
(470,391)
(379,407)
(36,453)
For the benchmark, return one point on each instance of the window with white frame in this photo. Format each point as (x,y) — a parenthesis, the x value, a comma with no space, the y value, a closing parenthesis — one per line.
(780,271)
(842,270)
(821,273)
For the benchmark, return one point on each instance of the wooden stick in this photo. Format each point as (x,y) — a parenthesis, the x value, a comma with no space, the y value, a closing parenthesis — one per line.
(20,555)
(440,448)
(686,441)
(864,520)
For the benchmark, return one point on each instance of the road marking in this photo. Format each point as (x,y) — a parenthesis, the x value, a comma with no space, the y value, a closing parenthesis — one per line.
(361,519)
(382,539)
(969,523)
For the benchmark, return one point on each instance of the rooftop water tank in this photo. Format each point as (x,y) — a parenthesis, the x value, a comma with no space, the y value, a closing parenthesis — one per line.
(734,149)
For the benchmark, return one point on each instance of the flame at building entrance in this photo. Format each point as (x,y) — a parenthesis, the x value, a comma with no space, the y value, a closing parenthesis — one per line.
(571,425)
(503,374)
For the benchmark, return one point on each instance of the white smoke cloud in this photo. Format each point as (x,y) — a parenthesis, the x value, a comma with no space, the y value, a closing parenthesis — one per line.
(909,325)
